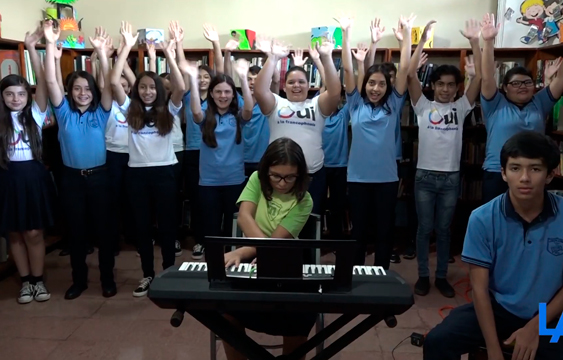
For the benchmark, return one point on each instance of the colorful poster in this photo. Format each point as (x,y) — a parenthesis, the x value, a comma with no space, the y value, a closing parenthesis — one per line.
(529,23)
(320,33)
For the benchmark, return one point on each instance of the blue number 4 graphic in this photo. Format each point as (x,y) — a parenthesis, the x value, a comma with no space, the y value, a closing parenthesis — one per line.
(556,333)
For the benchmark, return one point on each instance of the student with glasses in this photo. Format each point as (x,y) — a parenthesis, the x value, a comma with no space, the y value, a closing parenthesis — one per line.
(516,106)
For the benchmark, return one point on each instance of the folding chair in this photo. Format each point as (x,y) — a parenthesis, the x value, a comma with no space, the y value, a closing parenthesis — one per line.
(311,230)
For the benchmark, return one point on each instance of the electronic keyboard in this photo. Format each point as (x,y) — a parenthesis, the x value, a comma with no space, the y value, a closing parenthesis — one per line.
(246,270)
(187,287)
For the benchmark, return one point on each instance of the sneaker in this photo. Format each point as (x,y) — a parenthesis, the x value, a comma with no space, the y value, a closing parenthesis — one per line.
(395,258)
(445,288)
(410,253)
(422,286)
(41,292)
(26,293)
(143,287)
(197,252)
(178,248)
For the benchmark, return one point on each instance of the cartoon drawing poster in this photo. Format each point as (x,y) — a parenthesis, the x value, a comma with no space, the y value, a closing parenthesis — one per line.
(529,23)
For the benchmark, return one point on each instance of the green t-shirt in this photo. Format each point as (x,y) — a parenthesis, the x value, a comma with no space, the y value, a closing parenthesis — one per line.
(282,210)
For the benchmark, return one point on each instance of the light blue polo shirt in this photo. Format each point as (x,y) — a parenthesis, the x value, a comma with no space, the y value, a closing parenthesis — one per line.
(256,136)
(223,165)
(373,154)
(82,136)
(399,139)
(193,131)
(525,260)
(335,138)
(503,119)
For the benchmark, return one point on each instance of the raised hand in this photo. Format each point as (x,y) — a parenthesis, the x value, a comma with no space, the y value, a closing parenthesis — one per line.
(488,28)
(325,49)
(360,53)
(99,40)
(551,68)
(31,39)
(151,50)
(176,31)
(472,30)
(51,34)
(279,50)
(264,44)
(313,53)
(426,32)
(210,33)
(127,32)
(298,59)
(377,30)
(344,21)
(109,49)
(241,67)
(407,22)
(189,67)
(169,48)
(398,31)
(423,59)
(469,66)
(232,44)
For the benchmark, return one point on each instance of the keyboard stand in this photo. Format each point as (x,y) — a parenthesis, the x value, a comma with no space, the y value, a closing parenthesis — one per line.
(241,342)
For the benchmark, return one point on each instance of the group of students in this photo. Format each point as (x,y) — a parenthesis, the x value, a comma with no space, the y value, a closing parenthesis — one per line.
(268,157)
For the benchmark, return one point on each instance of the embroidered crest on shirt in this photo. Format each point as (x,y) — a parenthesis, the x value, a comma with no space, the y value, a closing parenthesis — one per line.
(555,246)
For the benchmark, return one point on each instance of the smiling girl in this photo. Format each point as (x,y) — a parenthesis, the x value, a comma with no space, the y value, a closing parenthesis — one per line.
(26,189)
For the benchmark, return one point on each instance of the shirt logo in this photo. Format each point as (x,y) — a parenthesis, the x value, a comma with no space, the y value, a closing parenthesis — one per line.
(436,118)
(555,246)
(307,113)
(120,118)
(285,113)
(273,210)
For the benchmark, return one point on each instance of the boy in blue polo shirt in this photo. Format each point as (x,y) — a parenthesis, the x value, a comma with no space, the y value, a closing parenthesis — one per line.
(514,247)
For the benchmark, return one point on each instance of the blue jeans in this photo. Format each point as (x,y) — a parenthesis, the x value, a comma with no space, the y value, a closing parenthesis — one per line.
(436,196)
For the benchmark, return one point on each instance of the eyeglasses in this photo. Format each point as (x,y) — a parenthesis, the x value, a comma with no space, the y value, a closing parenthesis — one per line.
(518,83)
(288,178)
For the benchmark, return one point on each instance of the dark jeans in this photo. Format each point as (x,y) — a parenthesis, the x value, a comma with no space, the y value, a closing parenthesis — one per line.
(493,186)
(436,195)
(154,185)
(336,185)
(191,168)
(88,197)
(179,175)
(317,188)
(117,168)
(218,205)
(373,203)
(460,333)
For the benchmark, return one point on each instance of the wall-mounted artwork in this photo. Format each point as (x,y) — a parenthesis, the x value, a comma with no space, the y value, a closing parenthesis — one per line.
(246,38)
(64,15)
(329,33)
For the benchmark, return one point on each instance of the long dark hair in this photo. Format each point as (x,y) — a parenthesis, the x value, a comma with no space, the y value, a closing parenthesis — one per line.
(138,117)
(384,71)
(96,93)
(30,129)
(284,151)
(208,131)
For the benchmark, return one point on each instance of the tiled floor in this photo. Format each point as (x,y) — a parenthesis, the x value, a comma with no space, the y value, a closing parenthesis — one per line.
(124,328)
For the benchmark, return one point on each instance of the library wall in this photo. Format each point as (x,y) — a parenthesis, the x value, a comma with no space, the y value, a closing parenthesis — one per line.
(290,20)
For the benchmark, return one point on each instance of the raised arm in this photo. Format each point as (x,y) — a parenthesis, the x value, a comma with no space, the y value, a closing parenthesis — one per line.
(191,71)
(100,44)
(151,51)
(177,32)
(329,100)
(264,97)
(31,39)
(376,31)
(58,55)
(556,85)
(109,51)
(414,87)
(488,31)
(360,55)
(51,37)
(315,57)
(404,62)
(348,66)
(211,34)
(241,68)
(275,85)
(127,72)
(128,42)
(231,46)
(472,33)
(176,80)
